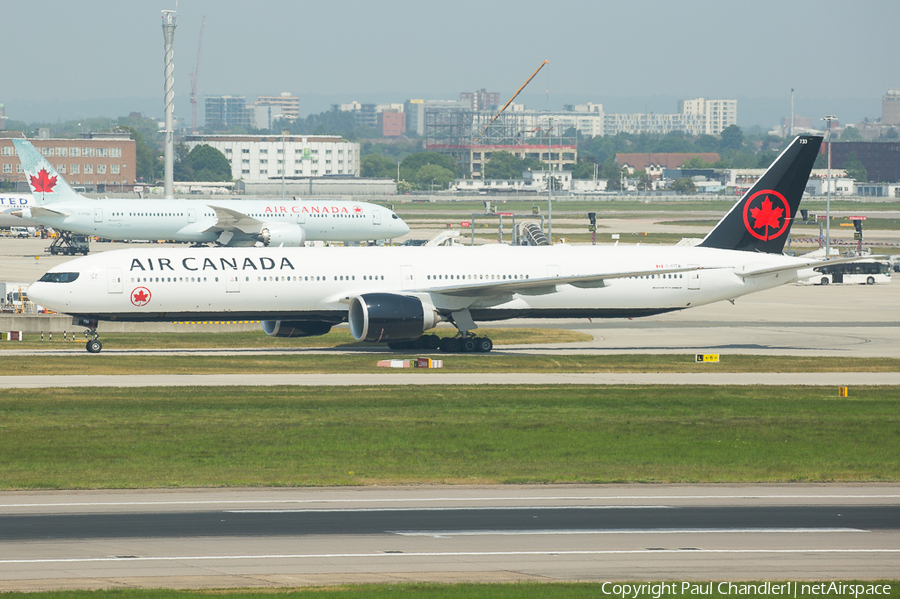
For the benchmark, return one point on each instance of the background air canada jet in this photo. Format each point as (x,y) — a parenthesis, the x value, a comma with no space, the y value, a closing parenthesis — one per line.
(225,222)
(396,294)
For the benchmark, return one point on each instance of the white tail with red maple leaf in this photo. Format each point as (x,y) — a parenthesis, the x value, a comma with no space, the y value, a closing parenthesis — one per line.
(46,184)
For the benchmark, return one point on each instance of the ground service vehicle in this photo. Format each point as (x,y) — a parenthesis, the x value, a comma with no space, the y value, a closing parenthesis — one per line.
(865,272)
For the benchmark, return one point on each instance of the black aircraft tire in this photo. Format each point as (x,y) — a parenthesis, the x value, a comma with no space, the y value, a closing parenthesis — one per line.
(450,345)
(94,346)
(483,345)
(468,345)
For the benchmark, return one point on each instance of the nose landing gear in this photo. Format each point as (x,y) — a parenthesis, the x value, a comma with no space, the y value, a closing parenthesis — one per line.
(93,346)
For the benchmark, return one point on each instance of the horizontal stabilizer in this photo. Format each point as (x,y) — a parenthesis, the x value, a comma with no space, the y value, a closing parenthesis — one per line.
(750,273)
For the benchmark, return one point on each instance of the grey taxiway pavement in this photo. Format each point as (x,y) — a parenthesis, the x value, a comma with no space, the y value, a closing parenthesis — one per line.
(431,377)
(275,537)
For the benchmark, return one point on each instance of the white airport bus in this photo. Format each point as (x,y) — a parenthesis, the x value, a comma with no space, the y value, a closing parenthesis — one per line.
(868,272)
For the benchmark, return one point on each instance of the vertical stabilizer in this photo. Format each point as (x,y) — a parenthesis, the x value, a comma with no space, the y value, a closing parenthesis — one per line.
(47,186)
(761,220)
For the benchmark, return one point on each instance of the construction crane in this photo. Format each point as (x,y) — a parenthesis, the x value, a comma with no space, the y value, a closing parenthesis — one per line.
(508,102)
(195,77)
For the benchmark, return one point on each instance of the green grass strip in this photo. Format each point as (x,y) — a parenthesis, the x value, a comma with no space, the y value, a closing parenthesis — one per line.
(80,362)
(289,436)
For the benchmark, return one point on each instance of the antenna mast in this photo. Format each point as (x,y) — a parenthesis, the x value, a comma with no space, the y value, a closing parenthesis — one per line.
(195,77)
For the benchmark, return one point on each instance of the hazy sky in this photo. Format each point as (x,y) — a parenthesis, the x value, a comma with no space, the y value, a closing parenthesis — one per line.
(105,57)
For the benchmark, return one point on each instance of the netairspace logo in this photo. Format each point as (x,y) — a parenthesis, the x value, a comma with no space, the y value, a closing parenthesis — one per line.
(785,589)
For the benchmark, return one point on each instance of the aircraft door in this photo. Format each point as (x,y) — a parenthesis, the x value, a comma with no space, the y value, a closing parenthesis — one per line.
(693,278)
(407,277)
(233,283)
(301,218)
(192,215)
(376,217)
(114,280)
(98,215)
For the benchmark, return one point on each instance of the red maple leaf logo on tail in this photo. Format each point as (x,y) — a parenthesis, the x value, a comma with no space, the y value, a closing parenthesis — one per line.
(766,216)
(771,217)
(43,182)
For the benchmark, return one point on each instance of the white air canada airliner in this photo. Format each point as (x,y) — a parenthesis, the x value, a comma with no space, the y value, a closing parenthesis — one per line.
(396,294)
(13,202)
(239,223)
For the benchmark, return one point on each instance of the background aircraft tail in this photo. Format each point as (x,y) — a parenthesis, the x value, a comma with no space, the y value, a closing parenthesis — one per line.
(47,186)
(761,220)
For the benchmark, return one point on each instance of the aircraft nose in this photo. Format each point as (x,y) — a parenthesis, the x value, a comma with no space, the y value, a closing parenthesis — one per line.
(37,292)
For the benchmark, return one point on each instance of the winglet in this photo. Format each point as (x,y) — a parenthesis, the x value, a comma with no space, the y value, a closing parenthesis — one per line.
(761,220)
(47,186)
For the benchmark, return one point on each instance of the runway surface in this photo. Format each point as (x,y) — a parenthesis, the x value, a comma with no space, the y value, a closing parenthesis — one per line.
(265,537)
(436,377)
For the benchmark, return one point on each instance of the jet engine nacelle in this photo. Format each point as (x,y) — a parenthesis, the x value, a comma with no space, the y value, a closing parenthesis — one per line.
(390,317)
(282,234)
(295,328)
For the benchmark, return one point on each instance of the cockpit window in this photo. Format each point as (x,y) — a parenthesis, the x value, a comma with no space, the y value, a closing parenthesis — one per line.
(59,277)
(394,216)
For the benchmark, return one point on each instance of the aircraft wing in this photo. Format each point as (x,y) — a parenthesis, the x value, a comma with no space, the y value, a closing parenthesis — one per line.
(812,263)
(232,220)
(38,212)
(543,285)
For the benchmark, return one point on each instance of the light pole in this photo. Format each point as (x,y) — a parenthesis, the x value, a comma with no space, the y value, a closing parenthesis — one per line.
(283,160)
(828,119)
(550,180)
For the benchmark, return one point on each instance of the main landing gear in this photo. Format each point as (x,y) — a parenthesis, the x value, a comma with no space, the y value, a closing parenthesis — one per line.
(465,342)
(448,345)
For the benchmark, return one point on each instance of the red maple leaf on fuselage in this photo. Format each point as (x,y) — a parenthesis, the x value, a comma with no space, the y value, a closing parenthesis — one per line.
(766,216)
(43,182)
(140,297)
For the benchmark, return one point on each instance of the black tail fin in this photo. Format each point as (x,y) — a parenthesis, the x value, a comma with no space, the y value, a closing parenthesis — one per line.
(761,220)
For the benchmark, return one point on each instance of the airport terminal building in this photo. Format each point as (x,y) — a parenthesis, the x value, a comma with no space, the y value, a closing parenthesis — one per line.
(262,157)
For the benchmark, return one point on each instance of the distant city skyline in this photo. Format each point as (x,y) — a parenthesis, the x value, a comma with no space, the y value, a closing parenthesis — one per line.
(105,58)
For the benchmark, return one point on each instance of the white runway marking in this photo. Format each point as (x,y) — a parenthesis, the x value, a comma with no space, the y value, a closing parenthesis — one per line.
(452,509)
(622,531)
(435,554)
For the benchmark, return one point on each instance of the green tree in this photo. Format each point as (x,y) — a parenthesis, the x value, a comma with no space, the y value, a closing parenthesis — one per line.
(612,173)
(209,164)
(181,167)
(584,169)
(410,165)
(696,162)
(644,183)
(732,139)
(148,167)
(892,133)
(854,168)
(684,186)
(434,175)
(378,165)
(503,165)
